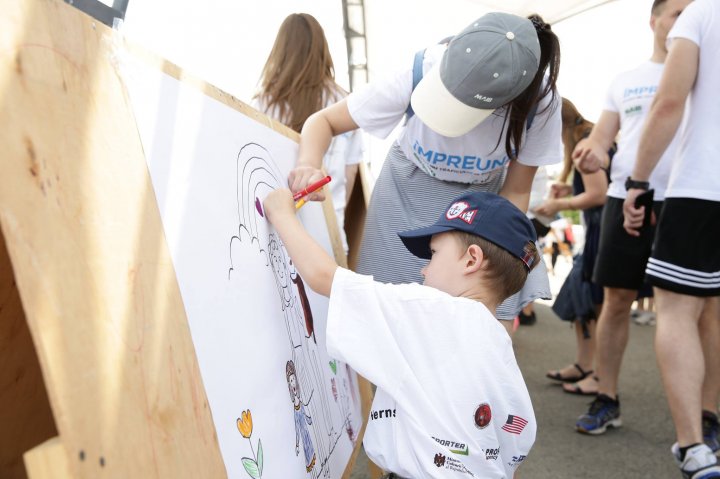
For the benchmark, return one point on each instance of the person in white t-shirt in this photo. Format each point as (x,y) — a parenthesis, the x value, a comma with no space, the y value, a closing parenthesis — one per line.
(621,258)
(468,131)
(450,399)
(299,79)
(684,267)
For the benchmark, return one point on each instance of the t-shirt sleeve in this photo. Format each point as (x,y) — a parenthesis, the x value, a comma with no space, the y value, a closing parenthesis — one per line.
(379,106)
(363,329)
(542,144)
(690,25)
(355,147)
(611,103)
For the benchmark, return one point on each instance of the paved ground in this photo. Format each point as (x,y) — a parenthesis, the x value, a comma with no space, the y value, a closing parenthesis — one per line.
(639,449)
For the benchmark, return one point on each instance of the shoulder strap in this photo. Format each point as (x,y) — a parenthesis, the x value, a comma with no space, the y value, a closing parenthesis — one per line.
(531,117)
(417,76)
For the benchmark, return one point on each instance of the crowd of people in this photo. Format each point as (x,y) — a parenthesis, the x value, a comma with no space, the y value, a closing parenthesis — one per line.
(482,116)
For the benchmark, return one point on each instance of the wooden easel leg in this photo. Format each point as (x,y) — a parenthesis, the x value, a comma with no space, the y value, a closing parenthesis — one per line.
(47,461)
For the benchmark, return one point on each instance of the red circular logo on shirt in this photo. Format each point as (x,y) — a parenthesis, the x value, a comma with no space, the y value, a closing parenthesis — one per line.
(483,415)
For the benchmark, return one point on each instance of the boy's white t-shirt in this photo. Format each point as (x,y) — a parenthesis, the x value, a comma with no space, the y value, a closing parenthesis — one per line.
(450,399)
(476,157)
(696,172)
(630,96)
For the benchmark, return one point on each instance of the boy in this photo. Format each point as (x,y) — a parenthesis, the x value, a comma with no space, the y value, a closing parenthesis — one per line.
(450,399)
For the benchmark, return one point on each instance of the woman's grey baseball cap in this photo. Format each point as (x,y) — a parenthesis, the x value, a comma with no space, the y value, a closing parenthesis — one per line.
(485,66)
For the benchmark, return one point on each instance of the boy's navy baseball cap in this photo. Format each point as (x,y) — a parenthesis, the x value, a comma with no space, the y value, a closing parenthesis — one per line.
(487,215)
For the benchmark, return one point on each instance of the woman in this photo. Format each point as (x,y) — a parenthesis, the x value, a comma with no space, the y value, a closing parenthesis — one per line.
(467,133)
(299,79)
(587,193)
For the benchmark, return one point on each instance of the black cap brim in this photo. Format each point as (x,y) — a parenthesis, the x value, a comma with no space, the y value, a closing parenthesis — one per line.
(418,241)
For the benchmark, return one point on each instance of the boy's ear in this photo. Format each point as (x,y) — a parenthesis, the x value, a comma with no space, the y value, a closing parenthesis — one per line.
(474,258)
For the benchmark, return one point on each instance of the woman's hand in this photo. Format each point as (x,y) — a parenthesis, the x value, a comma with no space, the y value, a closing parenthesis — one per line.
(301,177)
(560,190)
(550,207)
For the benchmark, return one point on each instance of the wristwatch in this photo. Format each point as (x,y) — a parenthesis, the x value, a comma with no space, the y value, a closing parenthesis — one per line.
(638,185)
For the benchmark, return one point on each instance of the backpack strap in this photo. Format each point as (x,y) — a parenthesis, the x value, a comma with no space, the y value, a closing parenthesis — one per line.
(531,117)
(417,76)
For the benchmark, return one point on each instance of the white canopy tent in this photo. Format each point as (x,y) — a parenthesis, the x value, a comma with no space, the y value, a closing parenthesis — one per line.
(227,42)
(553,11)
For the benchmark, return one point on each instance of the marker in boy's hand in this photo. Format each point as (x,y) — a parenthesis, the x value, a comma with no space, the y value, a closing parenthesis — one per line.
(278,204)
(303,176)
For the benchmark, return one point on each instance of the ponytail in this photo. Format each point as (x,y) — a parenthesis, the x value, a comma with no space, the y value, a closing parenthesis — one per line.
(528,100)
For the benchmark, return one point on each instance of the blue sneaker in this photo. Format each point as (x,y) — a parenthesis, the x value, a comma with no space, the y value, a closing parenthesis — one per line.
(699,462)
(604,412)
(710,428)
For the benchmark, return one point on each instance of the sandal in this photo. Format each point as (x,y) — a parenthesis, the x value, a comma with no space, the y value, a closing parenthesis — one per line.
(569,379)
(576,389)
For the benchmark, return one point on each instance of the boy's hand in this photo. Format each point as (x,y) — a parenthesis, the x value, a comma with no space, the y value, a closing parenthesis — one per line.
(277,204)
(302,176)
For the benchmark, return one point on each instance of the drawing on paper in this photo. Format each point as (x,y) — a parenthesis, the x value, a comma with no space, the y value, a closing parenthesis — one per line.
(253,466)
(315,422)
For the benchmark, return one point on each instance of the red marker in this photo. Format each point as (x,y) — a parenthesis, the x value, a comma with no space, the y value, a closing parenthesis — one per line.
(315,186)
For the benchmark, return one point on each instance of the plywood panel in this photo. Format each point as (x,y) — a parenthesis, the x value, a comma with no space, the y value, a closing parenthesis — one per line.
(92,267)
(25,412)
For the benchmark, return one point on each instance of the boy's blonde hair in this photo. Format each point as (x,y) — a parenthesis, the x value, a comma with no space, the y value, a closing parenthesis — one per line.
(505,272)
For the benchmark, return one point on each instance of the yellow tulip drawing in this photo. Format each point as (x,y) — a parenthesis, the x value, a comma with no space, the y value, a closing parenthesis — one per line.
(253,466)
(244,424)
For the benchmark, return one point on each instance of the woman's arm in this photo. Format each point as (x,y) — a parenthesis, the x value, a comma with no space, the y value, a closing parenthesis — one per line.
(595,194)
(317,133)
(518,183)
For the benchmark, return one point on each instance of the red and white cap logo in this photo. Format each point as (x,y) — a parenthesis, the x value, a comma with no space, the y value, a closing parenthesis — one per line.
(459,209)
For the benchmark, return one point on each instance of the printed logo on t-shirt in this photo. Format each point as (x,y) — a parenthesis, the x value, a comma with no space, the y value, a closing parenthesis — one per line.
(442,461)
(449,162)
(516,460)
(491,454)
(514,424)
(483,415)
(382,414)
(453,446)
(633,110)
(639,92)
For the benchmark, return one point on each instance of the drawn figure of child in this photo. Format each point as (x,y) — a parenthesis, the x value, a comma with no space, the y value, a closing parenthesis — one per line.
(302,420)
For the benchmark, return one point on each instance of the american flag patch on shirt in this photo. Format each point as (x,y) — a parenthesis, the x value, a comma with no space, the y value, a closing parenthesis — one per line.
(514,424)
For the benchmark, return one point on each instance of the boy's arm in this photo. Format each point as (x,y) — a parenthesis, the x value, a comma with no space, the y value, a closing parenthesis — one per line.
(315,266)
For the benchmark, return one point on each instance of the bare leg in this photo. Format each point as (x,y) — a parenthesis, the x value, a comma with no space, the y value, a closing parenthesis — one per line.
(680,357)
(612,337)
(710,338)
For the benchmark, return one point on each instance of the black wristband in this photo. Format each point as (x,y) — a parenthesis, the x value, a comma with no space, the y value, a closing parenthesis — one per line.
(638,185)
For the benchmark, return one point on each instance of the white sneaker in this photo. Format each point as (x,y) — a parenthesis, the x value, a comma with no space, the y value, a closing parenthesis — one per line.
(643,318)
(699,462)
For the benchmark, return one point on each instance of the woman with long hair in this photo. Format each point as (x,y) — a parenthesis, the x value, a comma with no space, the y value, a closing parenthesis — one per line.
(586,193)
(484,115)
(298,80)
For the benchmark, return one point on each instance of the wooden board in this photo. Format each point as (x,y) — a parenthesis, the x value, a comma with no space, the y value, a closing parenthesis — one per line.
(98,287)
(83,232)
(25,412)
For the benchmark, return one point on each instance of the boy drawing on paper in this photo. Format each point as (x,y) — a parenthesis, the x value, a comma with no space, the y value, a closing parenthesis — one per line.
(450,397)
